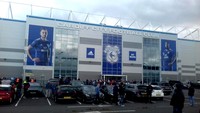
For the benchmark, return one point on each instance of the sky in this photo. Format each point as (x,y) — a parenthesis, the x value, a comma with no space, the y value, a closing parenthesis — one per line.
(166,12)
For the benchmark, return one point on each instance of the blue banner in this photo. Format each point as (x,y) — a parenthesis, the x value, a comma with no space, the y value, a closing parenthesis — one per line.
(40,44)
(112,54)
(90,53)
(168,55)
(132,55)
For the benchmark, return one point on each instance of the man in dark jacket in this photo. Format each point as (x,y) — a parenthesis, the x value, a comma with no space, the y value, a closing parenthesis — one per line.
(191,91)
(177,100)
(149,93)
(115,93)
(122,93)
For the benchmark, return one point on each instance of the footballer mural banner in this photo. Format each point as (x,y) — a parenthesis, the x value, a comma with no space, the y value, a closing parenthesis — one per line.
(40,41)
(168,55)
(112,54)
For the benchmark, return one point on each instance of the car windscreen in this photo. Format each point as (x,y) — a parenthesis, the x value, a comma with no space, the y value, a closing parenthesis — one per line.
(5,88)
(89,89)
(142,87)
(131,86)
(156,88)
(67,88)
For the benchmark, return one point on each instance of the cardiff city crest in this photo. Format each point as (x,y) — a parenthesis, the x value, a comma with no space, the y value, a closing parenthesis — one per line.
(112,53)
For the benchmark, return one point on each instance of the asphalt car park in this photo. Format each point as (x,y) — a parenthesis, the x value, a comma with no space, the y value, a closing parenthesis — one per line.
(47,105)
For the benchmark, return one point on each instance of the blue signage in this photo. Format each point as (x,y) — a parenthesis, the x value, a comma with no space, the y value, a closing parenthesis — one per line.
(40,44)
(168,55)
(90,53)
(132,55)
(112,54)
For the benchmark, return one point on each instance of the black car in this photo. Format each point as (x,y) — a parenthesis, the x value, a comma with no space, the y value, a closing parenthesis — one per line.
(64,92)
(86,93)
(35,89)
(131,91)
(107,91)
(167,89)
(142,92)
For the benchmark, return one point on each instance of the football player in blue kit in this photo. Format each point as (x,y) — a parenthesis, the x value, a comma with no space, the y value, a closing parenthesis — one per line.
(42,49)
(169,58)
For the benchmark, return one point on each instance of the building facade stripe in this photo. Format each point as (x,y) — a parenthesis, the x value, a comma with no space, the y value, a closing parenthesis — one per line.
(132,45)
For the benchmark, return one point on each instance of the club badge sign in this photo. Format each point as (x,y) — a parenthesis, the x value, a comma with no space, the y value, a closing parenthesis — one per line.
(112,53)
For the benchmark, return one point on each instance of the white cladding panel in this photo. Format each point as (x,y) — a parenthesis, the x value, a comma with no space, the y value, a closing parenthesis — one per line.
(188,52)
(12,34)
(83,51)
(11,55)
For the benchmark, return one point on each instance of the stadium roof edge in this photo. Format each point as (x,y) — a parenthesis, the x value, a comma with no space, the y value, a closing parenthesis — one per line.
(100,25)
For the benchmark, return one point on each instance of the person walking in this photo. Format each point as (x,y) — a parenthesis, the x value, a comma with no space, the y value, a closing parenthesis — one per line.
(149,93)
(48,89)
(191,91)
(97,90)
(122,93)
(115,93)
(177,100)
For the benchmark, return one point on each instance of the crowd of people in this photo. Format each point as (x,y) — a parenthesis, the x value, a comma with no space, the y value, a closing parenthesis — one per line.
(177,99)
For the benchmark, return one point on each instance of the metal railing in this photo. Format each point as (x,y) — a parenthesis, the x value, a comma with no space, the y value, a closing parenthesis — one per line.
(19,11)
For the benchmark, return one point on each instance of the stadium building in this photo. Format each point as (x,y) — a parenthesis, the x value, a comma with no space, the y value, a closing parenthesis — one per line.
(94,51)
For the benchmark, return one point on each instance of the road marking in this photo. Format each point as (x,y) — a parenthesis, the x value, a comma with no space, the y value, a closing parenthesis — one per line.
(79,102)
(106,102)
(167,100)
(104,105)
(130,102)
(48,101)
(89,106)
(118,111)
(91,112)
(19,100)
(81,106)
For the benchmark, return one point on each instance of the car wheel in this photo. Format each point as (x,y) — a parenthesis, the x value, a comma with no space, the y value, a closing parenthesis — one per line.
(161,98)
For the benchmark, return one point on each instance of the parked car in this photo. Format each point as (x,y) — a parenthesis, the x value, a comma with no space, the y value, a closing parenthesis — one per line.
(136,92)
(35,89)
(7,93)
(86,93)
(64,92)
(131,91)
(157,92)
(167,89)
(107,91)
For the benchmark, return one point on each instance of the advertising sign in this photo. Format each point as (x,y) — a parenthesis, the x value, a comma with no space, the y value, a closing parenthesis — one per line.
(112,54)
(168,55)
(90,53)
(132,55)
(40,41)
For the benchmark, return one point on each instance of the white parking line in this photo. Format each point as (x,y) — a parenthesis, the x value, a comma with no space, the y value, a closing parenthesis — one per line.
(130,101)
(19,100)
(89,106)
(118,111)
(79,102)
(167,100)
(48,101)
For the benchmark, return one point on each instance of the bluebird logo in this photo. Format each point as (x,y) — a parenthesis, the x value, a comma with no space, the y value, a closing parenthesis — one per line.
(90,53)
(112,53)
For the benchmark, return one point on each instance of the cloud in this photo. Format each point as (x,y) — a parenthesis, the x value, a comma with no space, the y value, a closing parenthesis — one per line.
(167,12)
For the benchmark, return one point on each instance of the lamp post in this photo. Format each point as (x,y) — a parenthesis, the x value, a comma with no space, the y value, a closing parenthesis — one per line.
(60,64)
